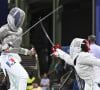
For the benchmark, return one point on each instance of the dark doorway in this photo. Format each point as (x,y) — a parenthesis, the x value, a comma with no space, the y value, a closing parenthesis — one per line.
(37,36)
(76,20)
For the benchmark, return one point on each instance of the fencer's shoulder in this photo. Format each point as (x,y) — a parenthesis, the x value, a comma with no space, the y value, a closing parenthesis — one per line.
(4,27)
(85,54)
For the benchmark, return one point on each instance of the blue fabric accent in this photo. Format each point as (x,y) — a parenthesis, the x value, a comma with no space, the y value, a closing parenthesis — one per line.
(97,21)
(97,2)
(98,25)
(75,87)
(8,64)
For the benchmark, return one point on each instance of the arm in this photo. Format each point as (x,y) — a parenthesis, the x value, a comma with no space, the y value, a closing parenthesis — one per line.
(64,56)
(22,51)
(89,59)
(19,50)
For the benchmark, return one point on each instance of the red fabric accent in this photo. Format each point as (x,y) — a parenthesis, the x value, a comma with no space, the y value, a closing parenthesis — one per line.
(88,45)
(12,60)
(7,49)
(90,85)
(54,54)
(55,47)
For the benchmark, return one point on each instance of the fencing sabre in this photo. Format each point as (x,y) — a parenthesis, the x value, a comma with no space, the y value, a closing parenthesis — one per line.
(44,30)
(67,78)
(39,22)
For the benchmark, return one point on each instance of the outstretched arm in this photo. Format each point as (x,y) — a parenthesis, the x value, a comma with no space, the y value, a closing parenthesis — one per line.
(90,59)
(63,55)
(23,51)
(11,49)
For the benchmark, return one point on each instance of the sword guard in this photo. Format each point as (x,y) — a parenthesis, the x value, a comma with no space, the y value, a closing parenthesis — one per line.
(55,47)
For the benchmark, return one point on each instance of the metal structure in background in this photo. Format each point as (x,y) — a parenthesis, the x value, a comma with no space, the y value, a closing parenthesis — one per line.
(56,29)
(56,23)
(66,79)
(37,64)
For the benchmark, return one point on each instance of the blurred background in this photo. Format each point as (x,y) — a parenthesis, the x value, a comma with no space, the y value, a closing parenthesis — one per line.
(75,19)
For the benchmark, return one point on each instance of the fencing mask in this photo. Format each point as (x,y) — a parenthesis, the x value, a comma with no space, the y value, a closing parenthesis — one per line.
(15,18)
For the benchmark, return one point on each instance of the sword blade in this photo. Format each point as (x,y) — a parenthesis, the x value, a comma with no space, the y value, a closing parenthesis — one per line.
(38,22)
(44,30)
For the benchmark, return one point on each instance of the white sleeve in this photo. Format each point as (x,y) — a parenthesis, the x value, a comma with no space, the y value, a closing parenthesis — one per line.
(66,57)
(19,50)
(3,31)
(89,59)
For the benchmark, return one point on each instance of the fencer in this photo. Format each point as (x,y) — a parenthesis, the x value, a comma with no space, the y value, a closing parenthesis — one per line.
(82,61)
(11,39)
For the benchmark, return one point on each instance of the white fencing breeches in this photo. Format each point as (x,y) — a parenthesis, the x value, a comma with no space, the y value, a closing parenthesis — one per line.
(12,81)
(90,85)
(96,86)
(17,74)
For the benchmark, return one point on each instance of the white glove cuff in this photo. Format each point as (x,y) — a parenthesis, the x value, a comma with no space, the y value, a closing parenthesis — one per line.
(4,47)
(26,52)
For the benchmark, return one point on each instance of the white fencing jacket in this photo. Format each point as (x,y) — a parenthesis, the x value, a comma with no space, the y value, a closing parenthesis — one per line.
(7,35)
(84,64)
